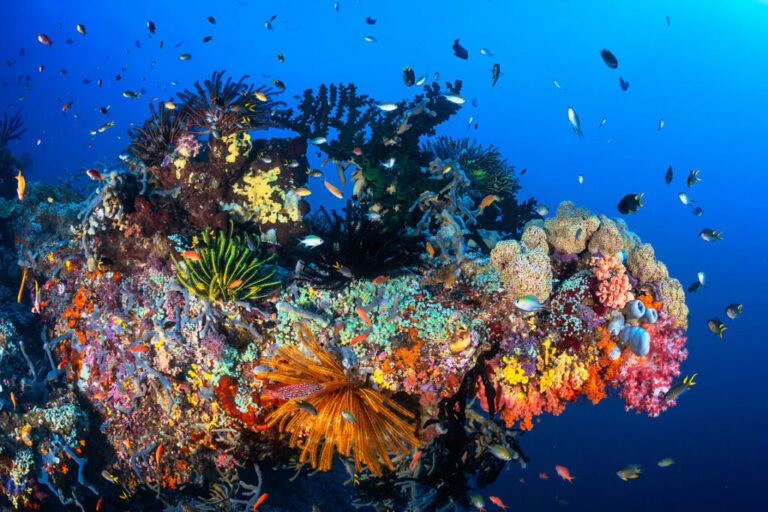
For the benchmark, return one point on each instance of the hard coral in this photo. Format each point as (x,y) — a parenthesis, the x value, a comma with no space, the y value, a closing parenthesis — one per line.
(607,240)
(613,288)
(642,264)
(672,295)
(569,231)
(524,271)
(372,427)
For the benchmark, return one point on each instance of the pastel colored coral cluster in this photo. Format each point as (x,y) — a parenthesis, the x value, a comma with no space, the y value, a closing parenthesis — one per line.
(613,288)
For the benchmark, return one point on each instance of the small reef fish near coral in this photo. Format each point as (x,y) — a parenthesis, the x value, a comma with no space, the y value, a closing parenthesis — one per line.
(186,319)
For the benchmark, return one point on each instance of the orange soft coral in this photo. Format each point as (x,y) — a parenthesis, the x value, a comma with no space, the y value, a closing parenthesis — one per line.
(594,388)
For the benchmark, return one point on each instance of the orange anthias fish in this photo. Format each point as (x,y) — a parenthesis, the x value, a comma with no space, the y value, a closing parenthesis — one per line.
(359,338)
(380,280)
(486,202)
(415,460)
(94,174)
(333,190)
(234,284)
(543,476)
(21,186)
(66,106)
(139,348)
(45,40)
(430,250)
(497,501)
(363,315)
(563,472)
(191,255)
(260,501)
(158,453)
(13,399)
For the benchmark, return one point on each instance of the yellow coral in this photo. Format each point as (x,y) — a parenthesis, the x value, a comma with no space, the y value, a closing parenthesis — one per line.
(264,200)
(235,142)
(512,372)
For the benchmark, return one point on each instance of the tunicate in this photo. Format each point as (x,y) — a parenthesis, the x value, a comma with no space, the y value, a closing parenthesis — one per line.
(635,309)
(650,316)
(639,339)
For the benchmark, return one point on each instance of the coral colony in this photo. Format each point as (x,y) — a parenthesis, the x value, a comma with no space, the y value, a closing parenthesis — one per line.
(192,320)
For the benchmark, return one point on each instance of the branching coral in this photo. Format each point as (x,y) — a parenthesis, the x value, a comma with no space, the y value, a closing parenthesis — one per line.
(151,142)
(11,128)
(223,108)
(372,426)
(224,268)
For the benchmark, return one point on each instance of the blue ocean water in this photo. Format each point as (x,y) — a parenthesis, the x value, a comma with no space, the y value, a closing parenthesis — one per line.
(697,65)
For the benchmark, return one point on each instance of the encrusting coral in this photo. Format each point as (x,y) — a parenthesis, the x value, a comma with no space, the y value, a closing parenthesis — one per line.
(524,271)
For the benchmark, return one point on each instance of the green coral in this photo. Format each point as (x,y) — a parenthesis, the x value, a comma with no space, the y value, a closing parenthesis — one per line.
(225,269)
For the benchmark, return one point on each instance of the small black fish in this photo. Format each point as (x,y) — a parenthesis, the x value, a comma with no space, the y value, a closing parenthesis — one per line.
(698,211)
(668,177)
(474,102)
(693,177)
(86,81)
(609,58)
(475,126)
(495,73)
(99,82)
(118,77)
(21,52)
(179,44)
(667,20)
(151,26)
(137,43)
(306,407)
(409,77)
(273,17)
(207,39)
(459,50)
(523,171)
(624,84)
(161,44)
(168,325)
(104,110)
(370,21)
(694,286)
(279,84)
(630,203)
(211,20)
(280,57)
(69,40)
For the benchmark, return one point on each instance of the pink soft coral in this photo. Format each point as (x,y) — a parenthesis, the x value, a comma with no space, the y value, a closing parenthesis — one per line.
(643,381)
(613,288)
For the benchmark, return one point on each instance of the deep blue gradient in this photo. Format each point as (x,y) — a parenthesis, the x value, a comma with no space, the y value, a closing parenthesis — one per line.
(704,74)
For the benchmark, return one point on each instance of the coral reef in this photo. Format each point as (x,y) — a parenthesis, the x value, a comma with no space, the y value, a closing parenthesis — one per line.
(144,337)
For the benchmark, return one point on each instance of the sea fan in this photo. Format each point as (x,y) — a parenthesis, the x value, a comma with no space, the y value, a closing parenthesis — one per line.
(378,425)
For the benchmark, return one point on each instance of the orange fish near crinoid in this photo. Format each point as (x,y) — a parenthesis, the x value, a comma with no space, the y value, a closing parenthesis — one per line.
(564,473)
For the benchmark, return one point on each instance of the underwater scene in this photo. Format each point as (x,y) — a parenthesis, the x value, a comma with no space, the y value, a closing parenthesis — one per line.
(385,256)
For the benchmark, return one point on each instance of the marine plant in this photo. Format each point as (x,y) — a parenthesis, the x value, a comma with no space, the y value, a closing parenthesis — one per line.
(156,138)
(11,127)
(486,168)
(356,246)
(223,108)
(224,268)
(343,414)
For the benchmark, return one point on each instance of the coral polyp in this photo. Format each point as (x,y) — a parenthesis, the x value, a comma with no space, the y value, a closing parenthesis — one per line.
(349,417)
(224,268)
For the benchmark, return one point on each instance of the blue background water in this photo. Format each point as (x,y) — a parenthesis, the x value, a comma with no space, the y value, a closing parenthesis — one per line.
(703,73)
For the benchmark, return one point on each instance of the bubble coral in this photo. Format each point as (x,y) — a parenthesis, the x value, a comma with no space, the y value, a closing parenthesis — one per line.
(380,425)
(524,271)
(607,240)
(642,264)
(570,229)
(672,295)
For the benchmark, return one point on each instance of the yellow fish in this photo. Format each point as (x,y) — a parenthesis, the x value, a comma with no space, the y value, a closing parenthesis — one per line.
(430,250)
(260,96)
(301,192)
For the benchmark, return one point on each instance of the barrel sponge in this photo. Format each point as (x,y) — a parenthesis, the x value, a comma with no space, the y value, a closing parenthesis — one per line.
(607,240)
(524,271)
(563,228)
(535,237)
(672,296)
(644,267)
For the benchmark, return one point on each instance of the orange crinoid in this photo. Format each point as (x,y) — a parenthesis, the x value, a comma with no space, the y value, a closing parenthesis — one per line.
(378,425)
